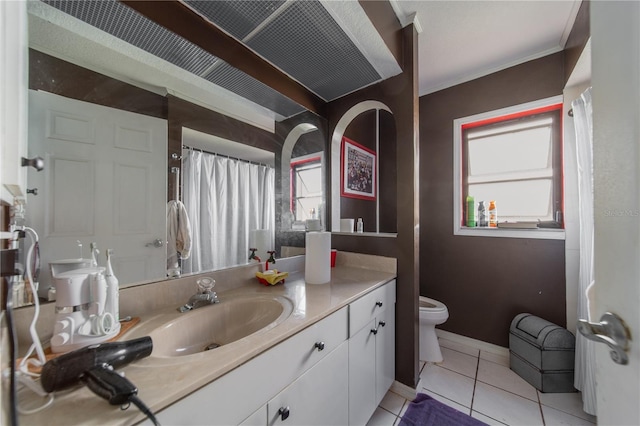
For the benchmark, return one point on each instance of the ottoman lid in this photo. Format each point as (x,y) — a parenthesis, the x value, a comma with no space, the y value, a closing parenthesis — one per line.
(542,333)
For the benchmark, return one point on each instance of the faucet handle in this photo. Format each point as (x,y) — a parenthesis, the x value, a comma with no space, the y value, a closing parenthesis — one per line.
(205,284)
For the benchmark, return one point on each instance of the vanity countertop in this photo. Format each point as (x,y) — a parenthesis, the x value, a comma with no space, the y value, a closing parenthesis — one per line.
(162,381)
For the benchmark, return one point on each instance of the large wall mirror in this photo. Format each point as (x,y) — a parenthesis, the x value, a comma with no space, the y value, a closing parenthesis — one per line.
(116,125)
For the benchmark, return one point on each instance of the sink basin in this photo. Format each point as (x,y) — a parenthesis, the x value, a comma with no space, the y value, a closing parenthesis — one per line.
(220,324)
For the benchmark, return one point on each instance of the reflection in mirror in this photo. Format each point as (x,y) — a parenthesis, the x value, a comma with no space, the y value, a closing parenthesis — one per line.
(104,183)
(303,184)
(77,61)
(228,193)
(371,125)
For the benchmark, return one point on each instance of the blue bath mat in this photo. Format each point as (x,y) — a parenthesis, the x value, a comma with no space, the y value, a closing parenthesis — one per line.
(426,411)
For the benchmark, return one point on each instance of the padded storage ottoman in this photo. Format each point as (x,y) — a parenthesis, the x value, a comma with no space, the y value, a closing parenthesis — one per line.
(542,353)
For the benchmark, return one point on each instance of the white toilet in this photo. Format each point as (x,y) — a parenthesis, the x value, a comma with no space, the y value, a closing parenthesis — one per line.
(432,313)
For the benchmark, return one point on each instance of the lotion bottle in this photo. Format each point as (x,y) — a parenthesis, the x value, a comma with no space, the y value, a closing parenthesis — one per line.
(360,225)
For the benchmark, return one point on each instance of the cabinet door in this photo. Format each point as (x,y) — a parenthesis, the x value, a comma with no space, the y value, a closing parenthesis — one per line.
(259,418)
(318,397)
(385,352)
(362,375)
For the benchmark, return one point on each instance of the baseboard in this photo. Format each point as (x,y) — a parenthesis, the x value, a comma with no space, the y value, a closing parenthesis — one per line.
(478,344)
(407,392)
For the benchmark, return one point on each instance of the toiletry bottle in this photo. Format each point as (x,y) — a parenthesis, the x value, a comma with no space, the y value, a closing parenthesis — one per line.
(113,298)
(482,215)
(493,214)
(471,212)
(359,225)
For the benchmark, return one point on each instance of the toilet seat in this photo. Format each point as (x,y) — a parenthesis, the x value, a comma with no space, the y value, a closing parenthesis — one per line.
(430,305)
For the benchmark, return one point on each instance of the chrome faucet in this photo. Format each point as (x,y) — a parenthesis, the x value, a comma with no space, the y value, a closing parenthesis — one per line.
(204,297)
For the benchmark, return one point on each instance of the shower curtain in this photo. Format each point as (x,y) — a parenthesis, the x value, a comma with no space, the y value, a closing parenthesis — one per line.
(585,380)
(225,199)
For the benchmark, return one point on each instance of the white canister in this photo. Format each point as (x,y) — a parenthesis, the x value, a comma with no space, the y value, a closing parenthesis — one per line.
(347,225)
(317,269)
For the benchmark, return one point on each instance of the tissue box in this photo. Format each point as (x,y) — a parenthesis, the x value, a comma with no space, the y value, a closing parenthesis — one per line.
(542,353)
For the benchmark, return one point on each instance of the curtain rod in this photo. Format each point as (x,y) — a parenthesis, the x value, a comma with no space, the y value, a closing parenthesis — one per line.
(226,156)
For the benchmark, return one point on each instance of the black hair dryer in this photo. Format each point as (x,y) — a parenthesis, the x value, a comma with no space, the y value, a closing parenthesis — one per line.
(73,367)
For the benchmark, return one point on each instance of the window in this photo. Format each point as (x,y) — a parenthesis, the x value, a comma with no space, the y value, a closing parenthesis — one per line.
(306,187)
(514,157)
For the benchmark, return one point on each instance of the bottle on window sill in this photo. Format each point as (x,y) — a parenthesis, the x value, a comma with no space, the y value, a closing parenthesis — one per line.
(482,215)
(493,214)
(471,212)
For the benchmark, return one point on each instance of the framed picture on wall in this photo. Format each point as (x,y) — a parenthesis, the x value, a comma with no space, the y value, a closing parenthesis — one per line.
(357,171)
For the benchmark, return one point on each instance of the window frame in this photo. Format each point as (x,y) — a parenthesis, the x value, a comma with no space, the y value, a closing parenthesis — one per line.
(294,165)
(552,104)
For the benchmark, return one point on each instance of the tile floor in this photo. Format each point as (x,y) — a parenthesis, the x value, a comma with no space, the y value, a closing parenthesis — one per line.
(481,384)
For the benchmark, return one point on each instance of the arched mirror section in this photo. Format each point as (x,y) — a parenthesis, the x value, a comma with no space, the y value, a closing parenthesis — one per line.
(363,149)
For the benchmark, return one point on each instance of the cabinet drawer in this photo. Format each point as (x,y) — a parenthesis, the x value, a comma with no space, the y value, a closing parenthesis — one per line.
(368,306)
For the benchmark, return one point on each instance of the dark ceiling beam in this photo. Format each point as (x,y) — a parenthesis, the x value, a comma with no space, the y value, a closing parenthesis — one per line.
(182,20)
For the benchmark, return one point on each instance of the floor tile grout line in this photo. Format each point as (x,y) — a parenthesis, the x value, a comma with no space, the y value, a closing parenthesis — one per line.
(540,407)
(512,393)
(475,382)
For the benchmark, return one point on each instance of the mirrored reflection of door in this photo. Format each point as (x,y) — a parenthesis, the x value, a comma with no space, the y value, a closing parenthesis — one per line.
(104,181)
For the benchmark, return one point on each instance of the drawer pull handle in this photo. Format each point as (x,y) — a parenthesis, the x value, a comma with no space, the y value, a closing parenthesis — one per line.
(379,304)
(374,331)
(283,412)
(319,346)
(382,323)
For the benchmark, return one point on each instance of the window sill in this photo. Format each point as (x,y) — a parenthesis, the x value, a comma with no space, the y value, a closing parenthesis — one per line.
(542,234)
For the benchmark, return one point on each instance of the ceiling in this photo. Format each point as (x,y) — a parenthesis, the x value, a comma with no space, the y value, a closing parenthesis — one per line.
(329,46)
(464,40)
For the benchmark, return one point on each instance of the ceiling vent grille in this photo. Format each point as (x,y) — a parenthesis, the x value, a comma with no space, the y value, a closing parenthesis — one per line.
(238,18)
(306,42)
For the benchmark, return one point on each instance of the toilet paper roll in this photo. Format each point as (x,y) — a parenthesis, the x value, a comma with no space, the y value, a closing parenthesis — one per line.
(317,268)
(346,225)
(261,240)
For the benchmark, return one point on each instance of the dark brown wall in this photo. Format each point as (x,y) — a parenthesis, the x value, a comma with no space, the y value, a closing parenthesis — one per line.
(484,282)
(54,75)
(400,95)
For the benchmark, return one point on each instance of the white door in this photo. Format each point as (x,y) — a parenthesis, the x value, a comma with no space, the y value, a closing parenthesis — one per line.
(615,37)
(104,181)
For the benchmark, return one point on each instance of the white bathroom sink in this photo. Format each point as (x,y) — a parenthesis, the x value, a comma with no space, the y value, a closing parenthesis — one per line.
(212,326)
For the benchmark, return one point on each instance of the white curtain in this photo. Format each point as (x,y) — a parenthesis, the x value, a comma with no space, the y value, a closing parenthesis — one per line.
(585,379)
(225,199)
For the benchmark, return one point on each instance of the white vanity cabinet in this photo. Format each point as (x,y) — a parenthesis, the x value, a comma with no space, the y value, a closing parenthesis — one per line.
(234,398)
(334,372)
(371,351)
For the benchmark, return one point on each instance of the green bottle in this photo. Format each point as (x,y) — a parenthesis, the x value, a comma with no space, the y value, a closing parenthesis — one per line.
(471,212)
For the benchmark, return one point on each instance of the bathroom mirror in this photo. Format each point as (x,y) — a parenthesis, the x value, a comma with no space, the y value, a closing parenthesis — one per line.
(370,126)
(56,35)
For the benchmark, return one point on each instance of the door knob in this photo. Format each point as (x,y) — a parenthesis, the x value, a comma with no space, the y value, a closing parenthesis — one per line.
(612,331)
(155,243)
